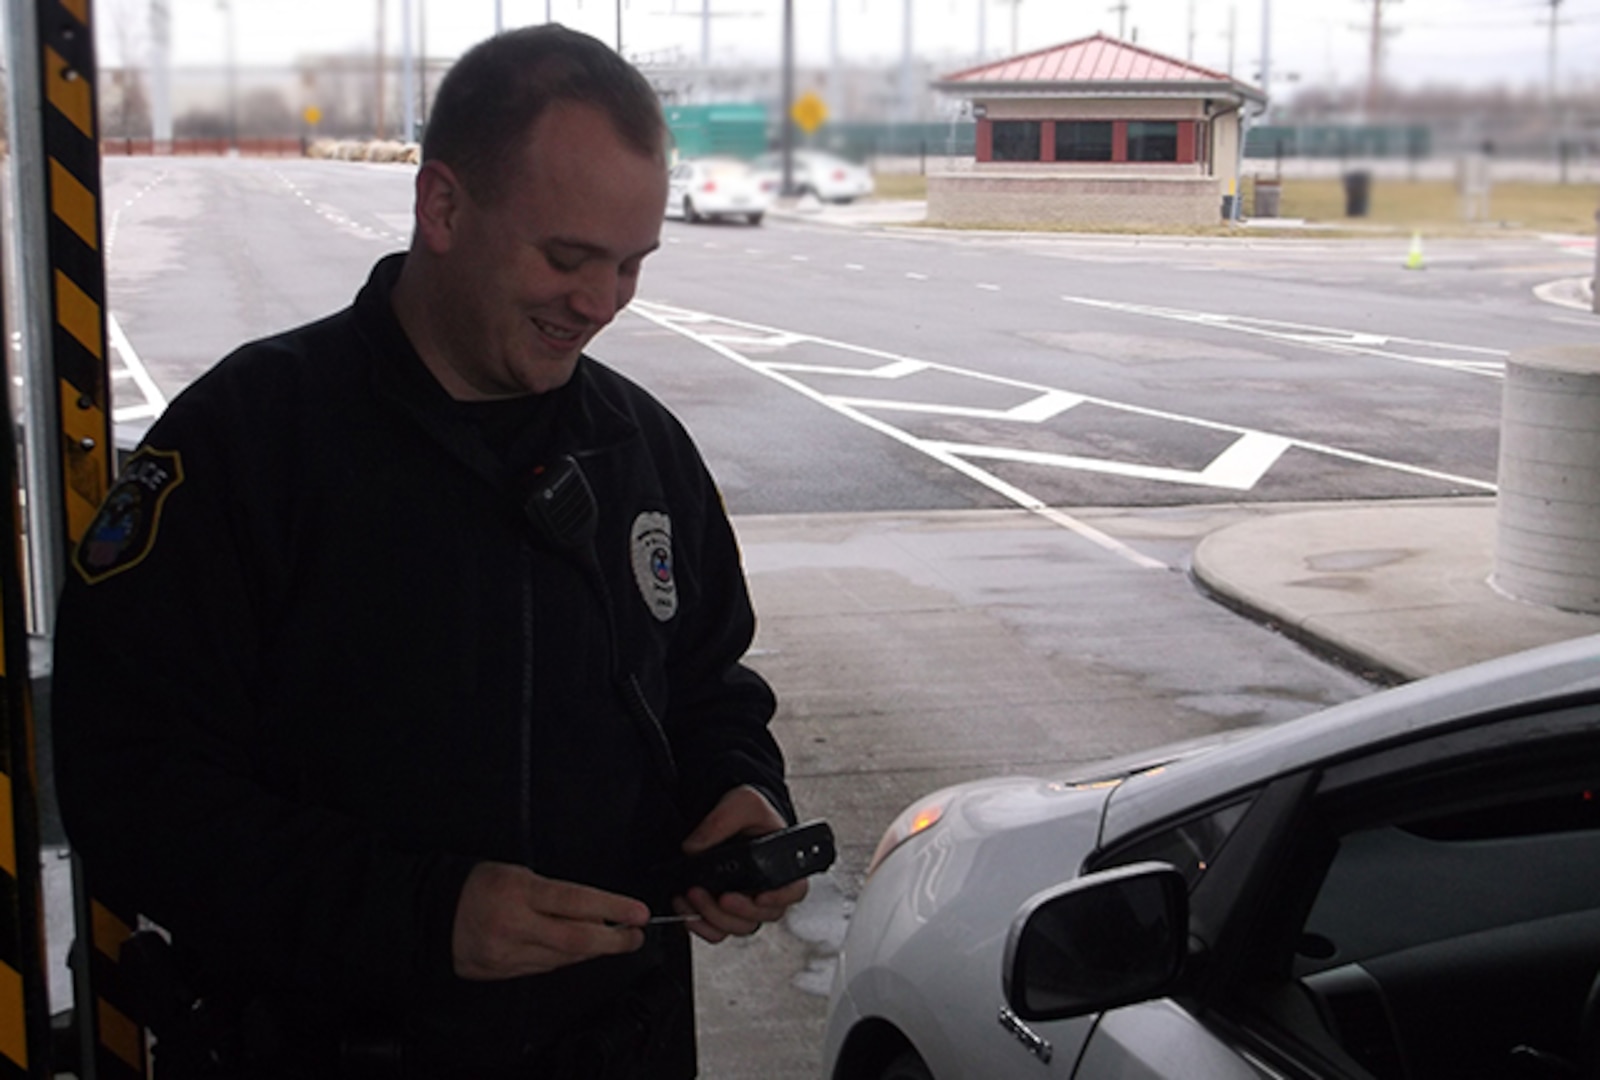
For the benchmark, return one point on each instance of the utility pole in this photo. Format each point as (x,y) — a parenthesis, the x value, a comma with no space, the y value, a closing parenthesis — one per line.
(1377,33)
(1555,6)
(1121,9)
(1190,57)
(834,87)
(408,75)
(1233,35)
(786,122)
(161,75)
(233,76)
(1015,4)
(907,106)
(983,30)
(378,131)
(1266,50)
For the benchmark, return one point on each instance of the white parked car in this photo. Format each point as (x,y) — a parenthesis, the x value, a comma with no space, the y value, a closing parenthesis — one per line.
(829,178)
(1403,887)
(706,188)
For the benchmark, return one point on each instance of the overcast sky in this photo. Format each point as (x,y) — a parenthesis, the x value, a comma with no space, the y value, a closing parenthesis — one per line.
(1460,42)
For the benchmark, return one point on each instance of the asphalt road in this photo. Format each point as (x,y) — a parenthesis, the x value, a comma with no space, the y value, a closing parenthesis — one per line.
(967,469)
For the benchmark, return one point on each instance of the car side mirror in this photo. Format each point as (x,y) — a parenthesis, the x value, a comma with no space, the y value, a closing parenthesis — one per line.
(1099,942)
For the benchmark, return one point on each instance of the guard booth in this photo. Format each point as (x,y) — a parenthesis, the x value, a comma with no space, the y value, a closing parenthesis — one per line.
(56,457)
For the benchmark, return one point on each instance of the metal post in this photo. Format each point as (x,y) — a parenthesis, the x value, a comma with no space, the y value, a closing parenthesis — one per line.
(25,1028)
(25,1025)
(29,275)
(69,423)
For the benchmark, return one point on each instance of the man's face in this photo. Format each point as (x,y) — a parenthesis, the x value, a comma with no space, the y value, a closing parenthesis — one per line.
(533,275)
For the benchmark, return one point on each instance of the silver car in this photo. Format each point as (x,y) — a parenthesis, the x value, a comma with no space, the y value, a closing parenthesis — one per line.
(1405,886)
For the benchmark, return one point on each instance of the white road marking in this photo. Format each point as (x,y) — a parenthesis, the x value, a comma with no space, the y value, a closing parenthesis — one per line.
(914,276)
(155,402)
(1248,457)
(1035,411)
(984,285)
(897,369)
(115,223)
(854,266)
(1239,468)
(664,316)
(1336,340)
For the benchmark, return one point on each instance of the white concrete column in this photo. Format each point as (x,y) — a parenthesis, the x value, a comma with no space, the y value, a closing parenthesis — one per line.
(1547,548)
(1594,282)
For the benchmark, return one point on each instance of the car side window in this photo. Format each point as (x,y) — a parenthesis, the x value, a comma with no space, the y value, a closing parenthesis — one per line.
(1455,931)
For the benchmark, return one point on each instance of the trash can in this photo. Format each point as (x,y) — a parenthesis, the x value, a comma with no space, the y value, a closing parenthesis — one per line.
(1227,208)
(1267,196)
(1357,193)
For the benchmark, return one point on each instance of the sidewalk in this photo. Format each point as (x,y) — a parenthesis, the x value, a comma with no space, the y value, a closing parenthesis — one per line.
(1397,590)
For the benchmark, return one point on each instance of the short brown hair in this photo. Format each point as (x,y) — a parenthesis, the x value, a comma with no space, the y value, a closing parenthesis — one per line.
(497,91)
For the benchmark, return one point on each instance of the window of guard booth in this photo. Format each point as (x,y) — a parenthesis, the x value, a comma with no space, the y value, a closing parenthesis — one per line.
(1015,140)
(1083,140)
(1153,140)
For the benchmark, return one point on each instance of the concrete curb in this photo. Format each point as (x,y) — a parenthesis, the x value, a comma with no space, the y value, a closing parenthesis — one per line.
(1394,590)
(1349,653)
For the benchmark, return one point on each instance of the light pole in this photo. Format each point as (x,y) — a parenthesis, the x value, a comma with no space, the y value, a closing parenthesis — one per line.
(233,75)
(786,122)
(408,74)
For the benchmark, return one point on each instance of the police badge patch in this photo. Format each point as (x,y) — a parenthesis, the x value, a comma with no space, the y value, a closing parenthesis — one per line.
(124,530)
(652,563)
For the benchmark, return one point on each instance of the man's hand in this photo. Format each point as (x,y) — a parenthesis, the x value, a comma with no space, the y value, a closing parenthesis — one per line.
(510,922)
(744,811)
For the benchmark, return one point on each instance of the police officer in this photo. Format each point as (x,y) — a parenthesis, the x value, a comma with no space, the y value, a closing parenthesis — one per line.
(405,652)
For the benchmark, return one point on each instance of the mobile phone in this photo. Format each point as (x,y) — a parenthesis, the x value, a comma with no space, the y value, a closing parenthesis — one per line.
(757,864)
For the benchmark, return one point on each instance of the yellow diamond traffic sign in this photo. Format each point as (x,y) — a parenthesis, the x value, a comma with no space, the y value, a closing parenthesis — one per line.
(809,112)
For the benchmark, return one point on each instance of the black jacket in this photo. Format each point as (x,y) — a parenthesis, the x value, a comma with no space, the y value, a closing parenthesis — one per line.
(316,657)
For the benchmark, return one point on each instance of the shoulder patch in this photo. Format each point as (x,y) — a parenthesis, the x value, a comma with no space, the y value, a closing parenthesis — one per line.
(124,529)
(651,543)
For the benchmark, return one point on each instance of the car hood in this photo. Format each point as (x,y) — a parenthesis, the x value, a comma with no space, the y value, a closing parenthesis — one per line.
(1000,841)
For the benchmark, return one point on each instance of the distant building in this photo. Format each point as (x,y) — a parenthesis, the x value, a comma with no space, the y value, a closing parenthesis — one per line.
(1095,132)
